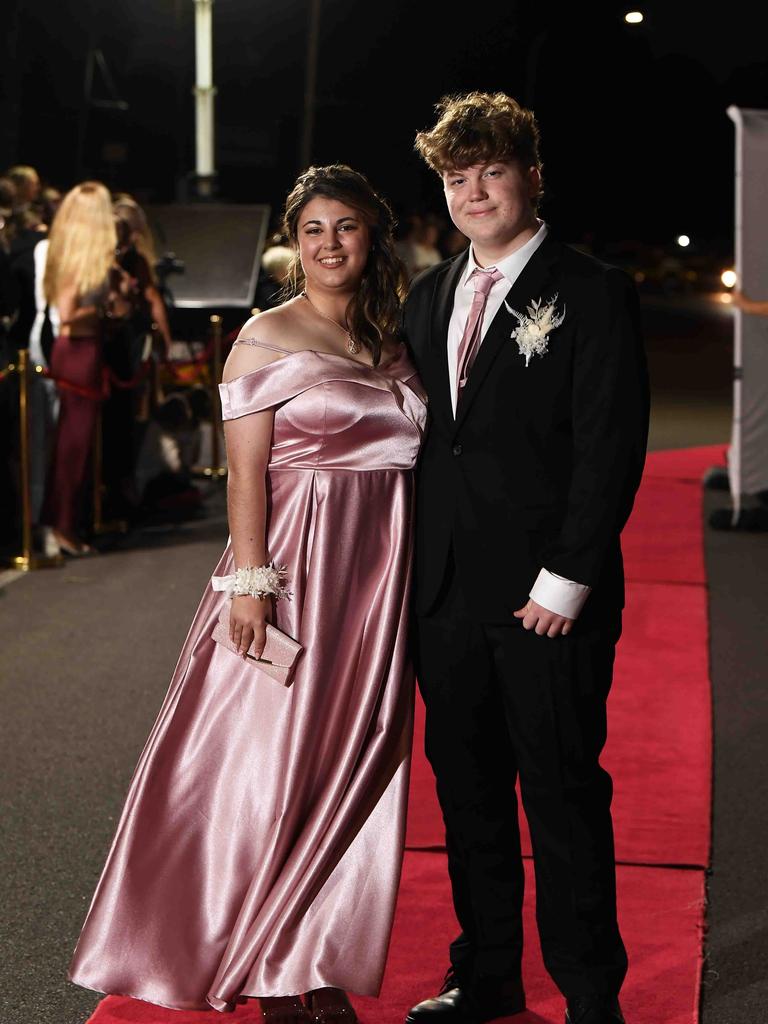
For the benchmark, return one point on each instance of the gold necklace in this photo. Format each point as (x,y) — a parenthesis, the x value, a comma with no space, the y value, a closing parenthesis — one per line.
(353,347)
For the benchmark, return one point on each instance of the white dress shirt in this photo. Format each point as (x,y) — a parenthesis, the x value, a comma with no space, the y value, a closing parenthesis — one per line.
(556,594)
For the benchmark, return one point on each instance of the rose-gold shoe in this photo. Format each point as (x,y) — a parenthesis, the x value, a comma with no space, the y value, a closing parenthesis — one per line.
(337,1010)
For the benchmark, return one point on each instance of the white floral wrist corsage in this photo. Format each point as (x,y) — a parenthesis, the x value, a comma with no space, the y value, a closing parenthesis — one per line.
(255,581)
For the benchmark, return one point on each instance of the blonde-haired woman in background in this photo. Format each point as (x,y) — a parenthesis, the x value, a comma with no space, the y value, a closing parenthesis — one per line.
(83,283)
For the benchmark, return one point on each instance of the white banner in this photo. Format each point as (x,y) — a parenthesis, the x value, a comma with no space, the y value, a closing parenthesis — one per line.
(748,456)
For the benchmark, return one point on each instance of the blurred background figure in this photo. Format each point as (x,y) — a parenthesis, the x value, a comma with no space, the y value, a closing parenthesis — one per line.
(425,251)
(275,263)
(417,244)
(8,300)
(204,420)
(453,242)
(164,467)
(138,334)
(28,227)
(138,259)
(28,186)
(43,394)
(83,283)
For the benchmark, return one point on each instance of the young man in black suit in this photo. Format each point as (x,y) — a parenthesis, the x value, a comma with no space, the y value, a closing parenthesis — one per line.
(532,358)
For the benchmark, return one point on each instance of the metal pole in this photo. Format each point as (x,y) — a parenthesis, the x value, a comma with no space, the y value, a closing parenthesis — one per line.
(310,82)
(204,97)
(27,560)
(735,450)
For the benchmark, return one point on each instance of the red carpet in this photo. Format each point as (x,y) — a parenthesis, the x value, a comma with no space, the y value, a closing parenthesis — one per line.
(685,463)
(659,753)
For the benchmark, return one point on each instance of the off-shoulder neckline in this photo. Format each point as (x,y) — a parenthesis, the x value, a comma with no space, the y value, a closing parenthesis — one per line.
(330,355)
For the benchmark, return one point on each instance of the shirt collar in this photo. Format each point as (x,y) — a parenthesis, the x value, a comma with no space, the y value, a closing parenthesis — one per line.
(510,266)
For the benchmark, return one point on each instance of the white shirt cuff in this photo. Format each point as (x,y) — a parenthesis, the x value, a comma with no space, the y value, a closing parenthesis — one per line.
(559,595)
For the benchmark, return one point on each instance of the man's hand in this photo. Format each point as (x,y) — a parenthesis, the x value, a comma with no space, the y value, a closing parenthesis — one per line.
(535,616)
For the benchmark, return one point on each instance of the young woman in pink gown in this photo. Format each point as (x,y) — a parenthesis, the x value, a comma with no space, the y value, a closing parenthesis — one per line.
(259,850)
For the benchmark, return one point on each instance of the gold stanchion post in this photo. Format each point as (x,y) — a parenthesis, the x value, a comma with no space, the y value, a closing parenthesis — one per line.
(216,469)
(27,560)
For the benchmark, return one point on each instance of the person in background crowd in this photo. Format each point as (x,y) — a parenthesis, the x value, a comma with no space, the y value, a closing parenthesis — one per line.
(28,186)
(43,393)
(425,251)
(48,204)
(163,468)
(137,257)
(128,345)
(406,234)
(28,228)
(204,422)
(83,283)
(275,269)
(8,296)
(453,242)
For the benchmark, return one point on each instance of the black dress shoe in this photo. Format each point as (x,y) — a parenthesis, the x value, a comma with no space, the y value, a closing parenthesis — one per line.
(594,1010)
(455,1005)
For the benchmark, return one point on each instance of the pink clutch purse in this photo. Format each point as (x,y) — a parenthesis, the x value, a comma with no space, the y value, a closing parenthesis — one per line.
(280,654)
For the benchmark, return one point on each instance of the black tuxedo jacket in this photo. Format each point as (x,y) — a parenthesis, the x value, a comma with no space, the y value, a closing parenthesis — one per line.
(541,464)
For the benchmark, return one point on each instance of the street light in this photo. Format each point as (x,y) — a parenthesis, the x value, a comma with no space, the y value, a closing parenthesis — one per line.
(633,17)
(729,278)
(204,99)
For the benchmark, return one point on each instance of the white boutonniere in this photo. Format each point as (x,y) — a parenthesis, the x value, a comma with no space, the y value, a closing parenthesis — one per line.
(535,326)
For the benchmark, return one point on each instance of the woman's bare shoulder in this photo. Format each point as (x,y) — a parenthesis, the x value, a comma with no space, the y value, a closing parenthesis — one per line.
(279,326)
(272,335)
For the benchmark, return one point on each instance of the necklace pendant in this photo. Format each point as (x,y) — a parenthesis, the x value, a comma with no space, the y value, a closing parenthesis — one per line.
(352,346)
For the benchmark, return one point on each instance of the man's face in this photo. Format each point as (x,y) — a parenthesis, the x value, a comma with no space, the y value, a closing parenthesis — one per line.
(492,203)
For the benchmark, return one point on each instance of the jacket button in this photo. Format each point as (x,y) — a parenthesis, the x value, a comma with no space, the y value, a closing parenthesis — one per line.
(457,449)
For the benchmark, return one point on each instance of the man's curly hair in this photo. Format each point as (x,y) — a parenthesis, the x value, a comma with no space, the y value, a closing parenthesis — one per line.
(478,128)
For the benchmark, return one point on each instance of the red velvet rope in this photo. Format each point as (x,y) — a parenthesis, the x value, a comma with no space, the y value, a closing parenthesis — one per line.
(111,380)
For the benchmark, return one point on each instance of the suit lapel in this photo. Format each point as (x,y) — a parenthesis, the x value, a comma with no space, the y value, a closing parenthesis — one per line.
(532,283)
(439,319)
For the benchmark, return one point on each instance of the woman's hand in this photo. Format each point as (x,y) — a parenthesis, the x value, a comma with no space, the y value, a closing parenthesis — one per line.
(248,619)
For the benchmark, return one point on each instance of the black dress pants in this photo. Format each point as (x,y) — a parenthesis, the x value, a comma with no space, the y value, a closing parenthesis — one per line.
(503,702)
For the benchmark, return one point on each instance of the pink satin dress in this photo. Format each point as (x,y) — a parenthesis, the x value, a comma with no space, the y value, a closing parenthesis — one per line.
(260,846)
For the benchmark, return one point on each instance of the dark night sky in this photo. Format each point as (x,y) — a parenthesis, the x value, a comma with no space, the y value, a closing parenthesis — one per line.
(636,142)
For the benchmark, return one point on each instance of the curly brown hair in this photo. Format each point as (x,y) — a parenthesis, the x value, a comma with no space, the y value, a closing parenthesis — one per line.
(478,128)
(375,309)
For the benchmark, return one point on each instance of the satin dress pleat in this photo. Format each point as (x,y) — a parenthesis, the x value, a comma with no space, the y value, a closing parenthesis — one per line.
(260,847)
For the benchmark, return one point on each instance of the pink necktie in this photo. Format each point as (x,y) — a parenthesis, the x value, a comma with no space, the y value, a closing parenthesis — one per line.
(483,281)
